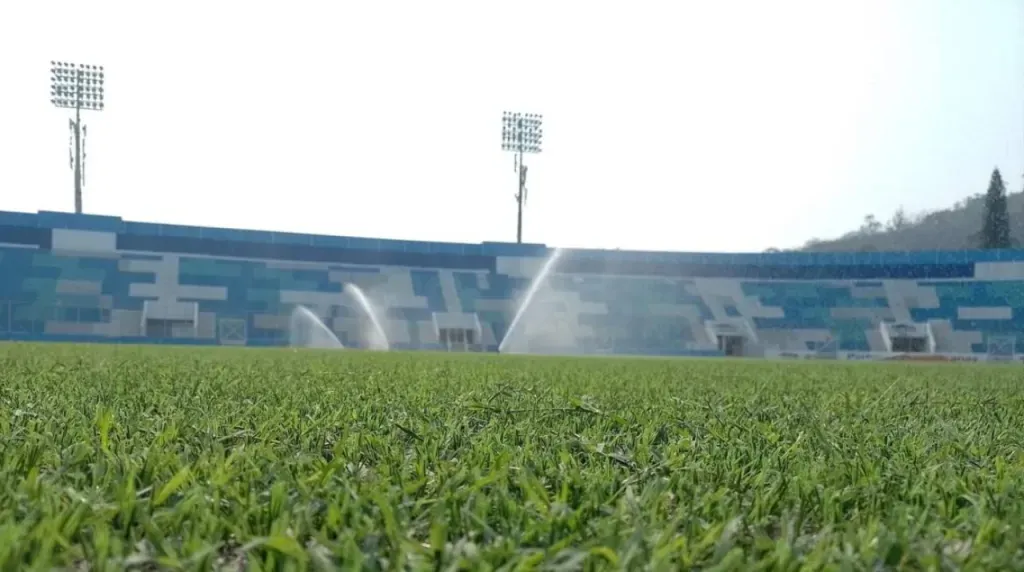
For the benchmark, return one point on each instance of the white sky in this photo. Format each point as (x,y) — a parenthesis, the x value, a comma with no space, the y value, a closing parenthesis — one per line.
(722,125)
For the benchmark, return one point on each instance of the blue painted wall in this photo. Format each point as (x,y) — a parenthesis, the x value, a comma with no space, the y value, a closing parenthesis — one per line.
(629,301)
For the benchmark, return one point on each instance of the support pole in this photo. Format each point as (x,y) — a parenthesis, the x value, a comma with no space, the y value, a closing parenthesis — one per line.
(78,160)
(520,197)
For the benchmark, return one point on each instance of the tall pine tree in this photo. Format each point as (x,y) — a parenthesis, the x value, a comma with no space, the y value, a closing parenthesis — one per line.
(995,229)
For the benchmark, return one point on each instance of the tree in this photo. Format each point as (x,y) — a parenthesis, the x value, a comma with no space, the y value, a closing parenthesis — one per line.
(899,220)
(870,225)
(995,227)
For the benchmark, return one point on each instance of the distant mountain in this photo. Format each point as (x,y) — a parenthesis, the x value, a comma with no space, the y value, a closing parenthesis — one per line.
(955,228)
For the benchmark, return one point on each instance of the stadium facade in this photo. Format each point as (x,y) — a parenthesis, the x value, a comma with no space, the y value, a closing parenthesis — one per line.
(67,277)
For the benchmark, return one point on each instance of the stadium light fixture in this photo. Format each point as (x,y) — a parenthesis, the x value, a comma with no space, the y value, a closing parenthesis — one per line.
(79,87)
(521,133)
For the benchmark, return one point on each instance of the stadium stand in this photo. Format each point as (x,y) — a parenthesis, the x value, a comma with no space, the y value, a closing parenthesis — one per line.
(95,278)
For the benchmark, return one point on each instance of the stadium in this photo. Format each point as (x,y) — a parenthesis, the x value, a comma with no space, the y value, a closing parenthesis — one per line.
(263,451)
(181,397)
(86,278)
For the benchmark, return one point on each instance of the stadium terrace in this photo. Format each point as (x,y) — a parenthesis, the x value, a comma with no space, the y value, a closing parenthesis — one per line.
(86,278)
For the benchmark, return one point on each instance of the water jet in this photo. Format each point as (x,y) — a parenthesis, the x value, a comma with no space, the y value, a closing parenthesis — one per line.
(307,330)
(531,293)
(378,340)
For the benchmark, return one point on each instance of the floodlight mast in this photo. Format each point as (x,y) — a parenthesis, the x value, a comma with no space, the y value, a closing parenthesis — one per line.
(78,87)
(521,133)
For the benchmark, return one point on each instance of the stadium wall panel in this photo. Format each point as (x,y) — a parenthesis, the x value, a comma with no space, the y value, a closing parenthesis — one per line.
(67,277)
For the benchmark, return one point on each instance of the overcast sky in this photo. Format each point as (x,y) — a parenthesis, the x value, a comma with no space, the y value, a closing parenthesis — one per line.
(729,125)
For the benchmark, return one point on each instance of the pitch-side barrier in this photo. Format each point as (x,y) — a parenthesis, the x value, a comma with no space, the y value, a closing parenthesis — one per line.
(888,356)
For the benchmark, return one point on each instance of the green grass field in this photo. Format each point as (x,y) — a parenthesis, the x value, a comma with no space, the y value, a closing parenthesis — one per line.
(182,458)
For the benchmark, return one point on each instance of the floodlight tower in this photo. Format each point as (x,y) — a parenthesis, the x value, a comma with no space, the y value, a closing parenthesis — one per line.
(78,87)
(521,133)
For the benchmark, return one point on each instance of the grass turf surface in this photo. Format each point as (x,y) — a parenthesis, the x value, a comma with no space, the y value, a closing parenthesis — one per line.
(279,460)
